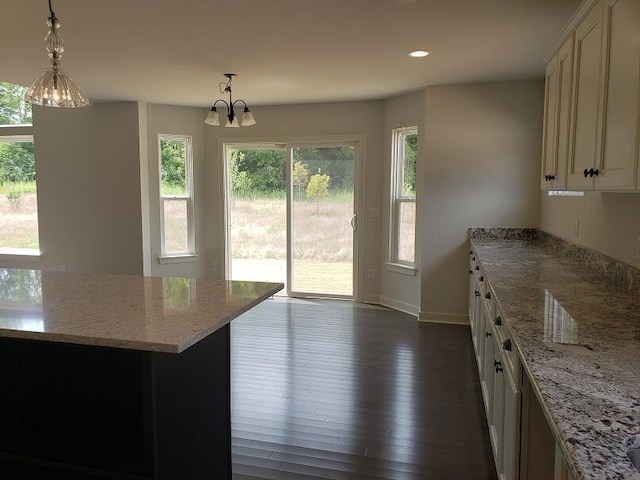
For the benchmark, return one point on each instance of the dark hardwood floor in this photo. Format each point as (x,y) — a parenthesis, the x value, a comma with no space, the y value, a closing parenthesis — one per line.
(333,390)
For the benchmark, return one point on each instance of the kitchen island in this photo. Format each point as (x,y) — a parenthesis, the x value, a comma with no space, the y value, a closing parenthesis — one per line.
(117,376)
(573,317)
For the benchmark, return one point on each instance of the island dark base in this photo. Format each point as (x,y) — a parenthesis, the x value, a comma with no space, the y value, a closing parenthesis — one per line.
(80,412)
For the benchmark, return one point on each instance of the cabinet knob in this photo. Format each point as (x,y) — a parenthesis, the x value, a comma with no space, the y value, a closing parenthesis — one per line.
(546,177)
(487,295)
(470,272)
(477,293)
(488,334)
(506,345)
(477,267)
(498,321)
(471,252)
(552,177)
(586,173)
(498,366)
(596,172)
(482,278)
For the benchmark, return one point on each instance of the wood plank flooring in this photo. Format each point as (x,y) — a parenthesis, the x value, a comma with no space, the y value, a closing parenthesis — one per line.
(333,390)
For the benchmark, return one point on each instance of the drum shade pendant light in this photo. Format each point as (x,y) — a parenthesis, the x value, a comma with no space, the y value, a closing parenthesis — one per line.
(232,119)
(55,88)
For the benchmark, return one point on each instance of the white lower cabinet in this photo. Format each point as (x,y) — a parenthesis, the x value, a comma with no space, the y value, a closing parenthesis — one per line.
(522,442)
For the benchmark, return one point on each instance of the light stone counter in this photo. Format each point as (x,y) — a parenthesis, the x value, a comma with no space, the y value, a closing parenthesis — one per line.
(577,331)
(121,311)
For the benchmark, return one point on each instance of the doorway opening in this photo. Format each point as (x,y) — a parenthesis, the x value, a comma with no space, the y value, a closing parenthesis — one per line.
(291,216)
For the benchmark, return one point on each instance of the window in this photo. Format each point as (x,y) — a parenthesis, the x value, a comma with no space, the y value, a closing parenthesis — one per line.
(176,195)
(403,195)
(18,192)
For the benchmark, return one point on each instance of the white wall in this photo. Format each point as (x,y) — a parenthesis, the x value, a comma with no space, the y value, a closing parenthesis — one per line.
(165,119)
(400,290)
(608,223)
(88,172)
(482,165)
(287,123)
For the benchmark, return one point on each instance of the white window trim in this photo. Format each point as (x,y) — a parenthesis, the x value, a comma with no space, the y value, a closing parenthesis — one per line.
(18,134)
(396,199)
(188,255)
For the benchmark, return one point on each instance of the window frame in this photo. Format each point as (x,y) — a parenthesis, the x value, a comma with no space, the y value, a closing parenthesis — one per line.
(398,199)
(188,254)
(20,133)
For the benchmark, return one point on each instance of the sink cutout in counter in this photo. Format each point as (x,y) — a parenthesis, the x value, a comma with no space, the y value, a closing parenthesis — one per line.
(633,450)
(559,325)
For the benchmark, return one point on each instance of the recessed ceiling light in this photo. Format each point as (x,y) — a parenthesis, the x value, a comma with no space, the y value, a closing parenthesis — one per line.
(419,53)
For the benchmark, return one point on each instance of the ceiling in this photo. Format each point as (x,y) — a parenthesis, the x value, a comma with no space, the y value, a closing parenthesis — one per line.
(284,51)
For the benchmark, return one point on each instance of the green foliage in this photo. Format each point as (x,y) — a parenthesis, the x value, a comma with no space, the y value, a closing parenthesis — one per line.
(265,169)
(17,162)
(15,198)
(300,176)
(13,109)
(173,162)
(240,181)
(410,156)
(318,188)
(261,172)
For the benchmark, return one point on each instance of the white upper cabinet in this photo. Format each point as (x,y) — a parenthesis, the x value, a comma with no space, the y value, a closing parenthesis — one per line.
(595,120)
(556,118)
(620,107)
(585,115)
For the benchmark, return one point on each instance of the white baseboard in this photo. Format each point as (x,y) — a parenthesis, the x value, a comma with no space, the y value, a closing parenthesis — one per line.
(450,318)
(400,306)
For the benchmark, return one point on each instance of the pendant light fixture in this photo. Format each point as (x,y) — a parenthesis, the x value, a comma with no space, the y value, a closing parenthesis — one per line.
(55,88)
(232,119)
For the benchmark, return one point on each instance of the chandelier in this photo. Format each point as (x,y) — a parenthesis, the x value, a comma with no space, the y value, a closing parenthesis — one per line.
(55,88)
(232,120)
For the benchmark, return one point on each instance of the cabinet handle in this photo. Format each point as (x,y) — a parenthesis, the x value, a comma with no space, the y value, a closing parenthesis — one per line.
(498,321)
(477,293)
(488,334)
(498,366)
(596,172)
(552,177)
(506,345)
(586,173)
(488,296)
(546,177)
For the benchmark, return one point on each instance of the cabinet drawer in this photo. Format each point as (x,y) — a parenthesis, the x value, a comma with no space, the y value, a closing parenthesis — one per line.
(505,342)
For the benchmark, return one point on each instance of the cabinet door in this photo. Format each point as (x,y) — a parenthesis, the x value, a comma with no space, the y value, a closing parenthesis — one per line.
(497,418)
(511,428)
(565,79)
(486,380)
(584,145)
(557,109)
(621,60)
(549,132)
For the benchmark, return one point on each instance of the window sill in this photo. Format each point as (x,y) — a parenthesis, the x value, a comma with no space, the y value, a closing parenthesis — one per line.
(400,268)
(26,255)
(187,258)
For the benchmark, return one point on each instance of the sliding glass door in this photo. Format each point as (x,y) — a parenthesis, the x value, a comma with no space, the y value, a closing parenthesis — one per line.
(290,216)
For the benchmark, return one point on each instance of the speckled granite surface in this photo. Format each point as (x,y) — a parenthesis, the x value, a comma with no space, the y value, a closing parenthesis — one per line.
(121,311)
(578,335)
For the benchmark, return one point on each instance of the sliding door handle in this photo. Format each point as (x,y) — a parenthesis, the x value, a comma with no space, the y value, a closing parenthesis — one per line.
(354,222)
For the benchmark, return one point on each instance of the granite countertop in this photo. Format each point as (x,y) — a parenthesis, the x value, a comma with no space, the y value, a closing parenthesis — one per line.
(578,335)
(121,311)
